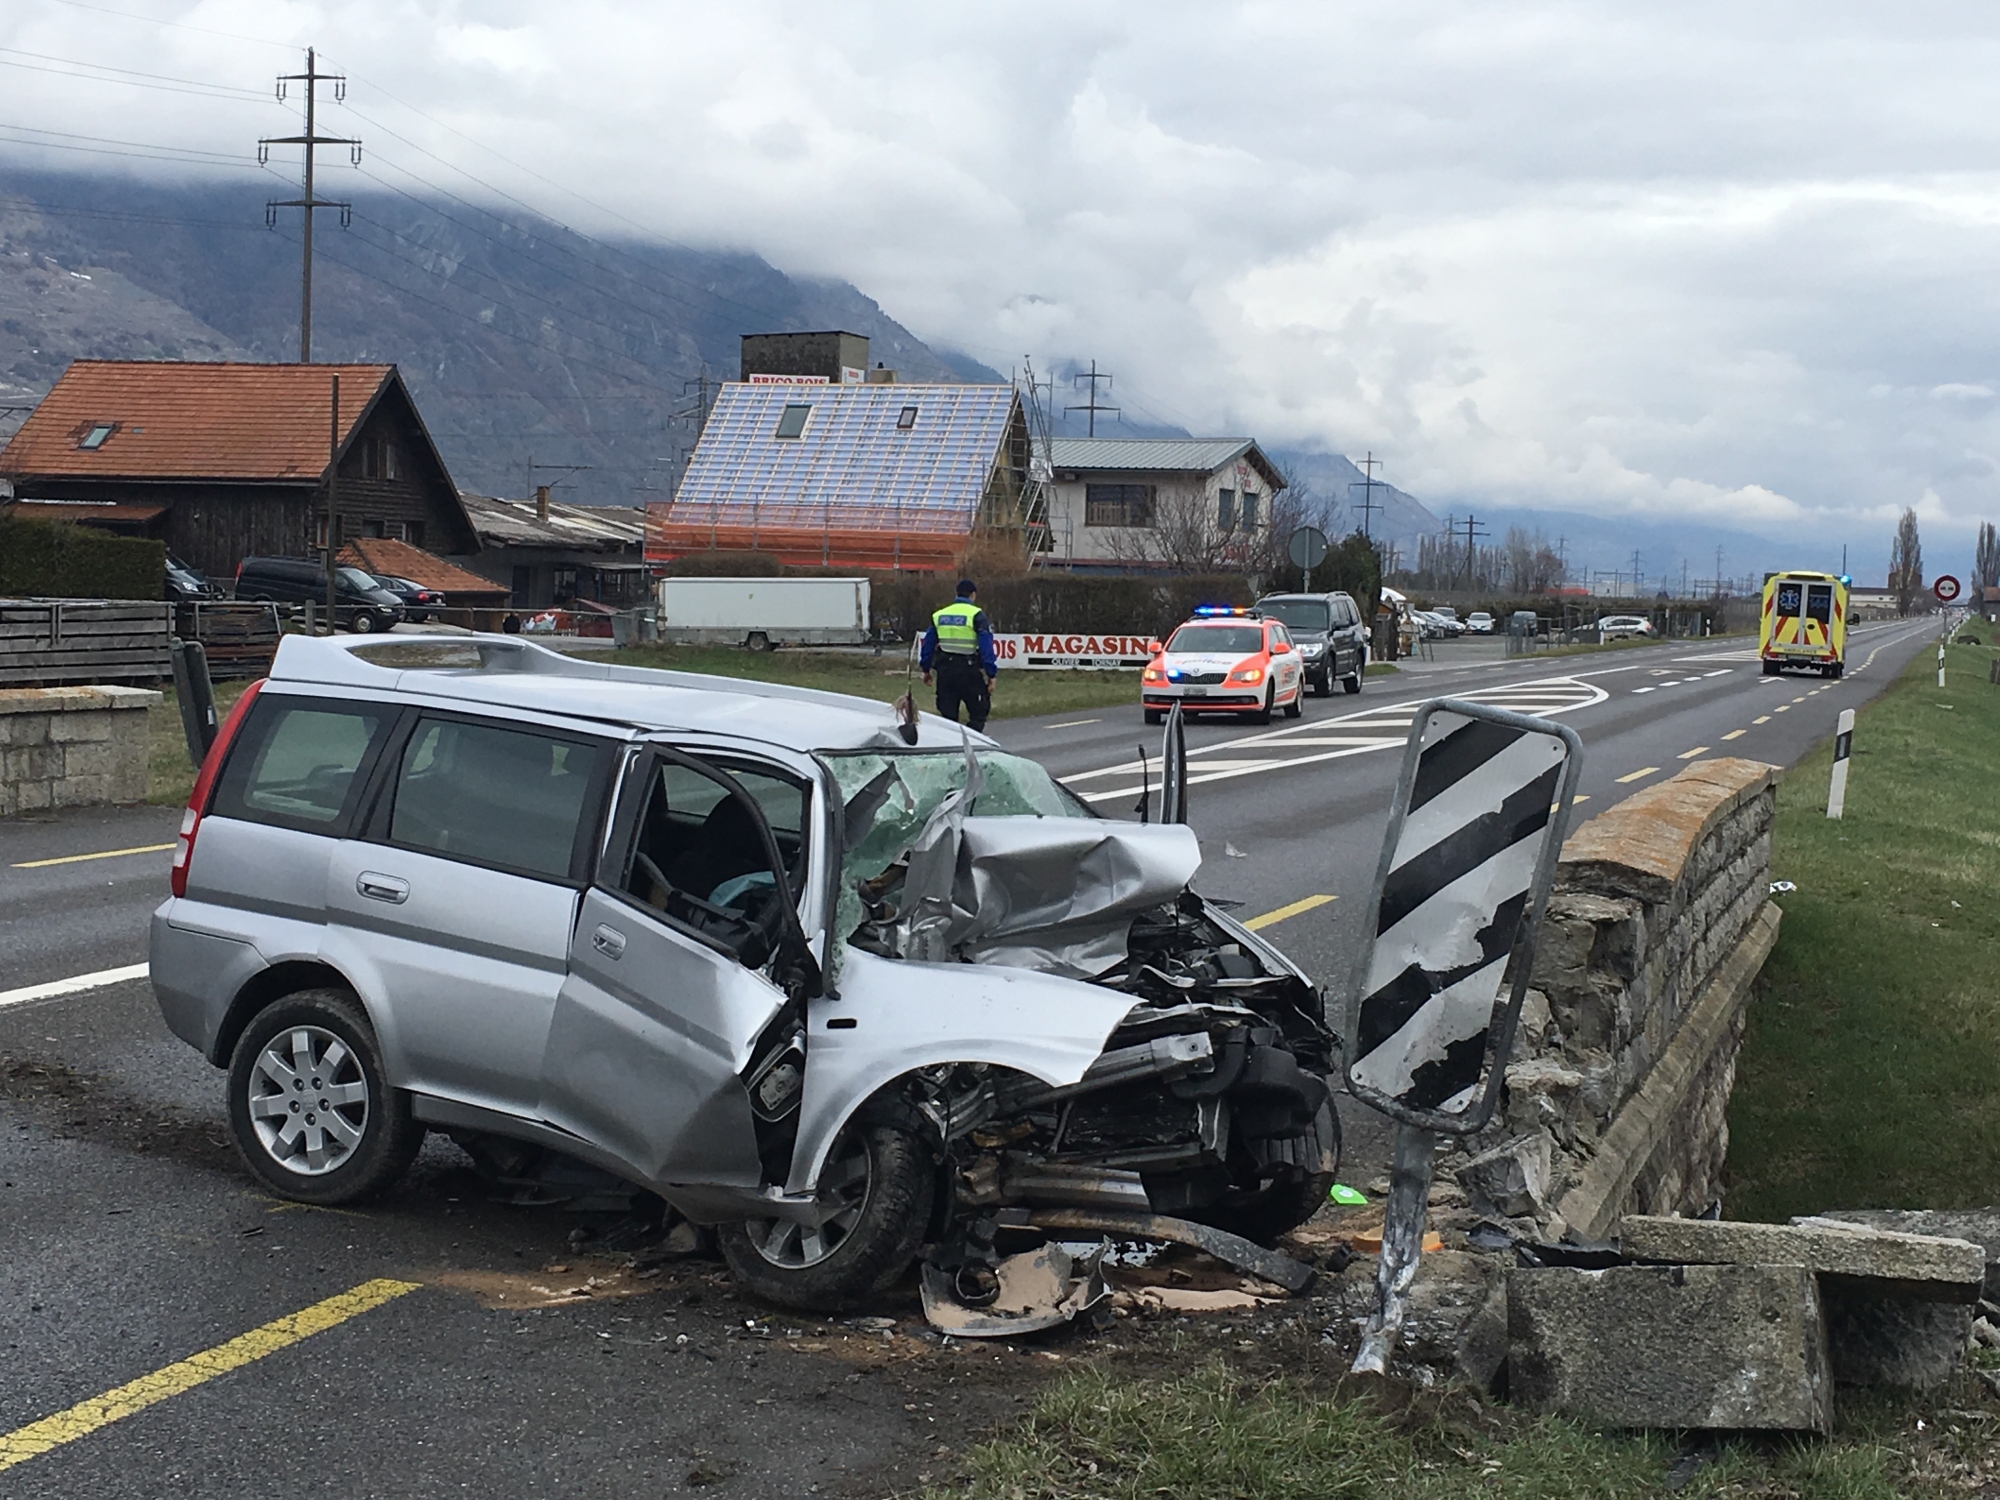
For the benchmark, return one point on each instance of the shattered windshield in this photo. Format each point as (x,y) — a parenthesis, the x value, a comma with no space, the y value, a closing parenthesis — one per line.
(889,799)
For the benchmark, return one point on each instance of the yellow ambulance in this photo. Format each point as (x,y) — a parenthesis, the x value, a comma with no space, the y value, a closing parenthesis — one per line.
(1804,623)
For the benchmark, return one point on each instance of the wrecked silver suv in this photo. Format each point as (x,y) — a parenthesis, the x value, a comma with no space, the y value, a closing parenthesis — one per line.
(742,945)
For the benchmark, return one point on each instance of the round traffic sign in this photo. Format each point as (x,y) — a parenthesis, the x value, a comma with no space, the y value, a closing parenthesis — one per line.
(1946,588)
(1307,548)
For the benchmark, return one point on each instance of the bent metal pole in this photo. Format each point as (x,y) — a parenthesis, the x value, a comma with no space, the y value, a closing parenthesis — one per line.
(1843,746)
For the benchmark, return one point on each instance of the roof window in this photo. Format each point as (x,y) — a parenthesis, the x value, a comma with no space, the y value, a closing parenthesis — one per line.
(94,439)
(907,419)
(792,421)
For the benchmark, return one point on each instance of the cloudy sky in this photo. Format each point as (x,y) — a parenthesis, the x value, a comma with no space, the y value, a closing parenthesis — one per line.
(1733,264)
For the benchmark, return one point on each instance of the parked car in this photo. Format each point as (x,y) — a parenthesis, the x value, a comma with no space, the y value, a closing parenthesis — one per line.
(1624,627)
(1479,622)
(1224,660)
(740,944)
(1331,636)
(360,603)
(187,584)
(418,602)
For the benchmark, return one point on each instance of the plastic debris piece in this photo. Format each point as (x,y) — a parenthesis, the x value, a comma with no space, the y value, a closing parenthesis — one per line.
(1782,887)
(1035,1289)
(1346,1196)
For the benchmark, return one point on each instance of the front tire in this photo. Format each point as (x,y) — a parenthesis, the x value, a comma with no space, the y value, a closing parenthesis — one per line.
(877,1188)
(1263,715)
(311,1108)
(1265,1213)
(363,623)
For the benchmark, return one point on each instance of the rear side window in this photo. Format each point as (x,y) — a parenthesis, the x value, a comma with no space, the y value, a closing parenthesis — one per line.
(508,797)
(302,763)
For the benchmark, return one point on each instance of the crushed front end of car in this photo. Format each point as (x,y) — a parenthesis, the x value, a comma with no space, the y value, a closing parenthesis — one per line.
(1036,1001)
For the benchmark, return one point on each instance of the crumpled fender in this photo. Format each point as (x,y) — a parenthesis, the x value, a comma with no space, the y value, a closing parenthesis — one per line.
(909,1015)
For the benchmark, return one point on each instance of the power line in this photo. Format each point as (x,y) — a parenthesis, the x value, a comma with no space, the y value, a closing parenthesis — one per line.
(1368,467)
(147,149)
(311,78)
(234,36)
(94,72)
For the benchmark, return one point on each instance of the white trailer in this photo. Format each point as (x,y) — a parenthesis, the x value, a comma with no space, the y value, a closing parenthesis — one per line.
(764,613)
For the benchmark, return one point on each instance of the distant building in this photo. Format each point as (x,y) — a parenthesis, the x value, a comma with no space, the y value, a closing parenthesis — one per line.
(223,461)
(384,556)
(543,552)
(1138,503)
(872,475)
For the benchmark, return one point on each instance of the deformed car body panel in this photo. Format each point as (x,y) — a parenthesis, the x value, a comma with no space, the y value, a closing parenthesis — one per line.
(894,1017)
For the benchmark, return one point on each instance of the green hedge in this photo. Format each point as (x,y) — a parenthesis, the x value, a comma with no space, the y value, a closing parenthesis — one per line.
(61,560)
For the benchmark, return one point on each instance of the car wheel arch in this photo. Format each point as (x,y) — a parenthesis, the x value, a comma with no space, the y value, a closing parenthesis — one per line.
(270,985)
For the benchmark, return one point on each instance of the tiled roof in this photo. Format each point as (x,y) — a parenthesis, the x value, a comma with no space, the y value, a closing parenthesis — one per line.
(1160,455)
(88,512)
(852,465)
(378,554)
(172,419)
(578,528)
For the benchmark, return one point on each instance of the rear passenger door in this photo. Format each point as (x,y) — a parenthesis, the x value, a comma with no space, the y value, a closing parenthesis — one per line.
(457,904)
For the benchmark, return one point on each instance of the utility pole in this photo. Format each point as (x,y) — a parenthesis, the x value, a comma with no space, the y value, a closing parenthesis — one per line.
(311,78)
(1473,531)
(1368,466)
(1637,587)
(332,505)
(1091,405)
(1562,560)
(1718,572)
(701,385)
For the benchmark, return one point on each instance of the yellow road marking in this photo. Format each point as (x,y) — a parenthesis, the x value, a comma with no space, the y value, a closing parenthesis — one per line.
(1580,797)
(50,1433)
(1647,771)
(1691,754)
(1761,719)
(1297,907)
(1736,734)
(77,859)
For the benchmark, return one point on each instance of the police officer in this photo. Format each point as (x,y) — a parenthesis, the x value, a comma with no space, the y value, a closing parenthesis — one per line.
(959,648)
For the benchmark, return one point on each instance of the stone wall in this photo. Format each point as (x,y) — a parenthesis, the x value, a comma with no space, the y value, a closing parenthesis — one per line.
(72,746)
(1617,1097)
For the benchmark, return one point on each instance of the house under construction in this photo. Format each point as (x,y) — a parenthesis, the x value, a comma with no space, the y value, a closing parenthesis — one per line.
(823,462)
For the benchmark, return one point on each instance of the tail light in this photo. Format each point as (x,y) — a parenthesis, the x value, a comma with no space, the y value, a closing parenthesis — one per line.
(204,786)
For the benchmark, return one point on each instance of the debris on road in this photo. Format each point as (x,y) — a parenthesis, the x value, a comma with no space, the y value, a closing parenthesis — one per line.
(1017,1294)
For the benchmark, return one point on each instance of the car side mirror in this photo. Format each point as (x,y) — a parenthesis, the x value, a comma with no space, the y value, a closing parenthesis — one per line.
(1282,648)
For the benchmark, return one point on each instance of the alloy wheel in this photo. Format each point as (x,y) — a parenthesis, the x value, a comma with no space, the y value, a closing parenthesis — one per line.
(308,1100)
(843,1194)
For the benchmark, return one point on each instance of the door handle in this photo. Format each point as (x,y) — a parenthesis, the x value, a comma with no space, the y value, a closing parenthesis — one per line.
(609,941)
(382,887)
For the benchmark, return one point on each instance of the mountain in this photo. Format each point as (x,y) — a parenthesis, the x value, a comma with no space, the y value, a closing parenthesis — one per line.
(519,338)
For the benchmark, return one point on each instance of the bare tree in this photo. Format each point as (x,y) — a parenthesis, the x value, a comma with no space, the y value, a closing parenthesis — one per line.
(1906,563)
(1985,564)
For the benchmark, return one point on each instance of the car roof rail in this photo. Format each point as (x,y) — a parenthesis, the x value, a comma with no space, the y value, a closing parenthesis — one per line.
(337,661)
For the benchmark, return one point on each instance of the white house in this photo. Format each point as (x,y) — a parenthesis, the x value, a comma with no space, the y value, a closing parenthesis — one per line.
(1128,503)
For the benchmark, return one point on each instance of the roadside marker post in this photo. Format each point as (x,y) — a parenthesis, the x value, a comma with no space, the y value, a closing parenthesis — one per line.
(1945,590)
(1843,746)
(1475,828)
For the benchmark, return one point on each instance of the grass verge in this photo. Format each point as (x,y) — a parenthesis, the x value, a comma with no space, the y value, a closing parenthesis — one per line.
(1017,695)
(1870,1069)
(1213,1432)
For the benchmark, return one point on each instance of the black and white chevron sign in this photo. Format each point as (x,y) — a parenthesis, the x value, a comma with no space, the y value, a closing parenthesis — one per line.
(1471,849)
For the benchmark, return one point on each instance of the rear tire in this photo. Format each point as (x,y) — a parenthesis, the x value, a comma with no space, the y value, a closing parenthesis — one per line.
(310,1106)
(1352,682)
(1298,704)
(1155,716)
(1770,669)
(881,1227)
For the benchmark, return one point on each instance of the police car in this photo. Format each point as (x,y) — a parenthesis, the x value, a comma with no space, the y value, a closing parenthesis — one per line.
(1226,661)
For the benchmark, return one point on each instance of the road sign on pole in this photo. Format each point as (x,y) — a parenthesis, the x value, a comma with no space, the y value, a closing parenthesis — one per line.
(1307,550)
(1946,588)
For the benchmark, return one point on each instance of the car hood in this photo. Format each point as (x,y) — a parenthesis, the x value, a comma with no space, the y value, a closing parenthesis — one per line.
(1203,661)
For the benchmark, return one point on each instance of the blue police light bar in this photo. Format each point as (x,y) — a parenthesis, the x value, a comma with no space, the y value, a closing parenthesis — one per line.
(1226,611)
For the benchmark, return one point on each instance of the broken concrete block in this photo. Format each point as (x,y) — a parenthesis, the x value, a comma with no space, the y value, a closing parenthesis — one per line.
(1512,1179)
(1709,1347)
(1908,1265)
(1979,1225)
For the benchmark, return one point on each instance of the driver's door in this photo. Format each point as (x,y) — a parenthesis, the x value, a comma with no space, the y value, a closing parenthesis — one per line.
(665,1003)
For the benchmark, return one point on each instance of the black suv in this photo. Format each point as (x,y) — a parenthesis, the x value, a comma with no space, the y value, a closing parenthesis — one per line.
(1331,636)
(360,603)
(186,583)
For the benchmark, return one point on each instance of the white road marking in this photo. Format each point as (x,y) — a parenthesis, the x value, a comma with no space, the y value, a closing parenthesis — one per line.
(76,984)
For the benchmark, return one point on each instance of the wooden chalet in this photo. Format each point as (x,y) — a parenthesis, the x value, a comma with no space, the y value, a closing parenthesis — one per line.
(225,461)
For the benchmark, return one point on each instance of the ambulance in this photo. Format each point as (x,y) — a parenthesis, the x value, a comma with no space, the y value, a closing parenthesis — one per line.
(1803,623)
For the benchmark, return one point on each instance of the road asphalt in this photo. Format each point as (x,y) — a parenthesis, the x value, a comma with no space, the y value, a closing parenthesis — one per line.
(473,1354)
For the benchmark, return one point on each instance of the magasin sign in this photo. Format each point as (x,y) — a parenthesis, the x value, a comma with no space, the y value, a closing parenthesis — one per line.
(1048,652)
